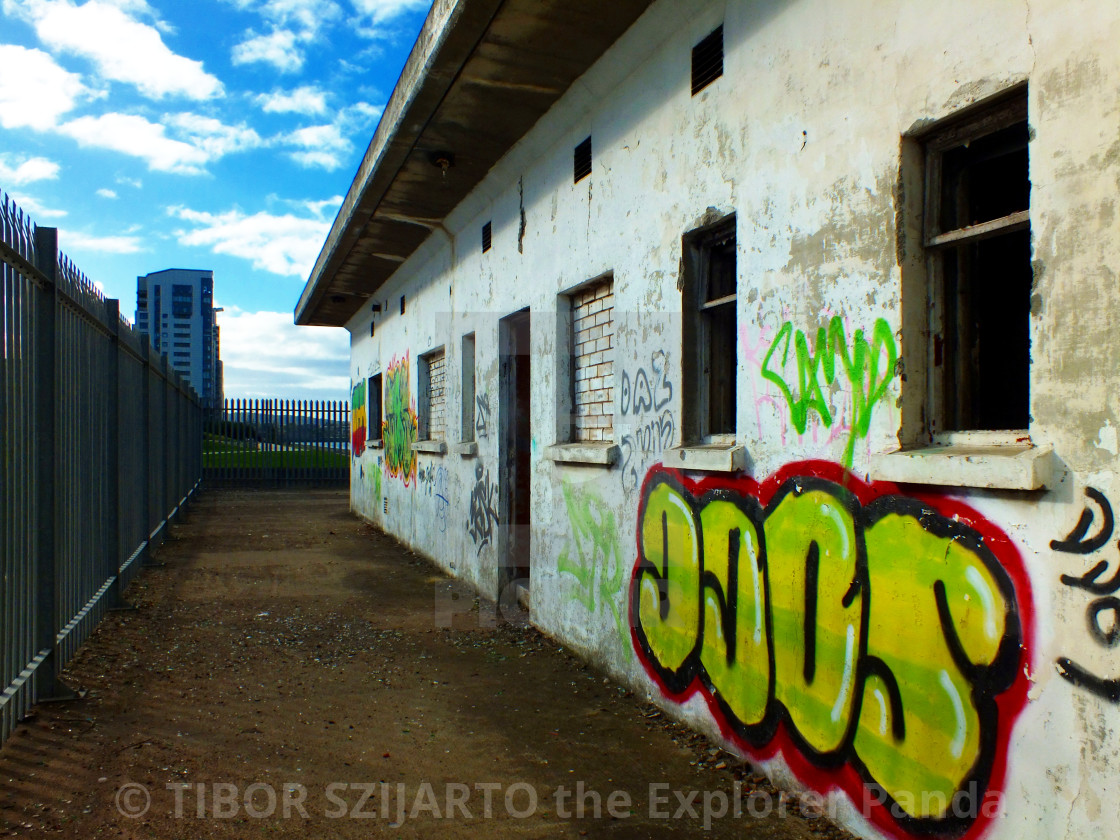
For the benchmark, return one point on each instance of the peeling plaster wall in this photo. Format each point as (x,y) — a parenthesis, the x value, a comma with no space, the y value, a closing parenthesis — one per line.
(801,139)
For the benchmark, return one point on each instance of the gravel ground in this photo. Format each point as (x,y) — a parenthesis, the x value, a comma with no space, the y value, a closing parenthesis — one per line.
(282,675)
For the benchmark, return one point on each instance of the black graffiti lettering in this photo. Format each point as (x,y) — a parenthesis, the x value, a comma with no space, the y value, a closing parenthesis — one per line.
(812,574)
(1108,637)
(1075,542)
(1100,686)
(482,516)
(1088,581)
(482,416)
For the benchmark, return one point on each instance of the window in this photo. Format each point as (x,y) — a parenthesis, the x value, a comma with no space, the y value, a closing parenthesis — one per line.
(182,300)
(593,362)
(710,339)
(581,161)
(433,413)
(978,241)
(466,418)
(707,60)
(374,417)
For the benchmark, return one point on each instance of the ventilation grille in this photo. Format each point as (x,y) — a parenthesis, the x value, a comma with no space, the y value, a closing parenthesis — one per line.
(582,161)
(385,504)
(707,61)
(402,304)
(486,231)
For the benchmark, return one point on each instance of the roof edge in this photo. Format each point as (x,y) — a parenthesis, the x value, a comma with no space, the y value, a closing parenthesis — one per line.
(445,43)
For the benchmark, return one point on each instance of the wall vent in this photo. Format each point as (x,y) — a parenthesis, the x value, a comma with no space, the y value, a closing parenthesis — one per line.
(385,504)
(402,304)
(707,60)
(582,161)
(486,240)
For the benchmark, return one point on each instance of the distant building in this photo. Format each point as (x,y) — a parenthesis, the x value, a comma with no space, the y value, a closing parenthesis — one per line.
(175,307)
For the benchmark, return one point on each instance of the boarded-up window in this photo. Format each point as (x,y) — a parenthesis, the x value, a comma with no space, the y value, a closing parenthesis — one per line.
(593,362)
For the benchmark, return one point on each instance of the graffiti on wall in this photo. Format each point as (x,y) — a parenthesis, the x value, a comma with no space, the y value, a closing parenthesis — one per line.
(483,511)
(873,638)
(645,393)
(358,419)
(398,430)
(593,559)
(803,374)
(1103,612)
(433,482)
(482,416)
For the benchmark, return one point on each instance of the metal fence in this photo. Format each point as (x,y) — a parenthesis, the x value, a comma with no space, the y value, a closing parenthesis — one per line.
(101,447)
(278,442)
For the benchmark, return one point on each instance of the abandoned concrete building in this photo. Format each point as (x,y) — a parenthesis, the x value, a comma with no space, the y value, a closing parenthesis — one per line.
(765,347)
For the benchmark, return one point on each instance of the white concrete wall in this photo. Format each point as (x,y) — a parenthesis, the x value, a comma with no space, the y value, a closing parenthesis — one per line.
(801,139)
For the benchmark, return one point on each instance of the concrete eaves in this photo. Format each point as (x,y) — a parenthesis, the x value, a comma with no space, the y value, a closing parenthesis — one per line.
(482,72)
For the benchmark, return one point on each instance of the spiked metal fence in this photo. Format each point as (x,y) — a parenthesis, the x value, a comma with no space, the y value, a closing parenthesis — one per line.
(101,447)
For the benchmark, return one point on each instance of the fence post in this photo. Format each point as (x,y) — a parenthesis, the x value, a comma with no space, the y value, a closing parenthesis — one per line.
(113,453)
(47,684)
(146,448)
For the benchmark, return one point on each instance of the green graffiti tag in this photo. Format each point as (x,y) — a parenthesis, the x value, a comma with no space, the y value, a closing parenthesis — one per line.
(868,368)
(880,632)
(399,428)
(593,558)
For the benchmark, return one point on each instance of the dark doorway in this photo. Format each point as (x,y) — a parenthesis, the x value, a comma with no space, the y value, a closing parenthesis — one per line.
(516,449)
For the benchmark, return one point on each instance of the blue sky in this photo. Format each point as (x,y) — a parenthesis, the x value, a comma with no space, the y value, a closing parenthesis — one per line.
(212,134)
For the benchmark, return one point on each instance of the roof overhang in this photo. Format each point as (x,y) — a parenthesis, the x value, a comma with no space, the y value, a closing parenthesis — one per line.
(482,72)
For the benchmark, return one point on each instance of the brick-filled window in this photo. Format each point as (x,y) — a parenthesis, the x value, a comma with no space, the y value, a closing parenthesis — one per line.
(593,362)
(433,396)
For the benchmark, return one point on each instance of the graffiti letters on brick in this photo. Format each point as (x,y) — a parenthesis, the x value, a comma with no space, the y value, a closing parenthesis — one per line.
(873,638)
(358,419)
(399,428)
(483,511)
(804,374)
(1103,612)
(593,558)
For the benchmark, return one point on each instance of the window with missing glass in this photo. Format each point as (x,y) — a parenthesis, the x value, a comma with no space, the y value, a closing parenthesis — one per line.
(711,294)
(978,241)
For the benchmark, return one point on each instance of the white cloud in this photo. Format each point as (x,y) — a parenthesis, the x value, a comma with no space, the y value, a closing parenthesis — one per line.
(322,146)
(125,181)
(277,48)
(213,136)
(107,193)
(71,242)
(380,11)
(122,48)
(16,170)
(34,208)
(307,100)
(200,140)
(36,91)
(285,245)
(301,362)
(135,136)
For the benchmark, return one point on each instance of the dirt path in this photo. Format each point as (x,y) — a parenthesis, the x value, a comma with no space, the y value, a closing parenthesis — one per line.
(285,664)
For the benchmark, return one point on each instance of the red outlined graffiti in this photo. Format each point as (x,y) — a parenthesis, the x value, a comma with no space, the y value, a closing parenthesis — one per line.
(878,640)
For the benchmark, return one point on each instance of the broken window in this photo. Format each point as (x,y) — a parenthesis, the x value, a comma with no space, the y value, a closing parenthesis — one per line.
(711,284)
(978,239)
(373,416)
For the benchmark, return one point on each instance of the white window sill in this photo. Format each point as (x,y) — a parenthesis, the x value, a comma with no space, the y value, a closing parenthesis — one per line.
(710,457)
(466,448)
(602,454)
(430,447)
(375,443)
(1003,466)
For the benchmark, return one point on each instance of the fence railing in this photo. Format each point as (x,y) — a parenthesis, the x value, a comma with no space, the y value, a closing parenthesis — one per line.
(101,447)
(279,443)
